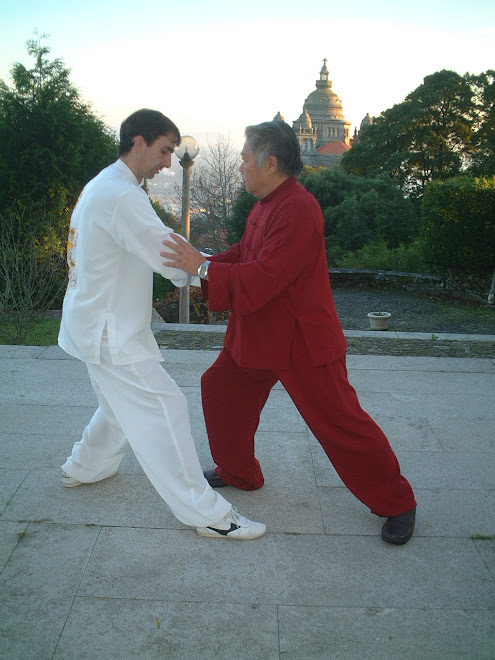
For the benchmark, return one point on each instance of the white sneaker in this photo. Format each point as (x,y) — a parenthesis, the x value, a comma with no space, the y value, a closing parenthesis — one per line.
(70,482)
(234,526)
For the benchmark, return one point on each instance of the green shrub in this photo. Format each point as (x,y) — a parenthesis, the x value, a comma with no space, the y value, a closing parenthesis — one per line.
(358,211)
(161,286)
(32,271)
(458,224)
(377,256)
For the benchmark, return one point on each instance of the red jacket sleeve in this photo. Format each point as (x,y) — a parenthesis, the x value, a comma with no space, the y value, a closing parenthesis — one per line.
(229,256)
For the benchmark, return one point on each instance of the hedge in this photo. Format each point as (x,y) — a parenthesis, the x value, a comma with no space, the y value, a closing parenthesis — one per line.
(458,225)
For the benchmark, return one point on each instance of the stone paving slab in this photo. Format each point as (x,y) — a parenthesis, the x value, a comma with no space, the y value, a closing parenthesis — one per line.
(26,381)
(384,633)
(38,585)
(10,480)
(421,363)
(453,435)
(106,572)
(442,513)
(33,451)
(431,406)
(10,535)
(486,548)
(288,569)
(157,630)
(123,500)
(467,471)
(446,336)
(21,352)
(447,383)
(44,419)
(464,471)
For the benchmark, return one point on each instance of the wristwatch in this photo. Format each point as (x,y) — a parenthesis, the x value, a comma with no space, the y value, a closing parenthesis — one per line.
(203,270)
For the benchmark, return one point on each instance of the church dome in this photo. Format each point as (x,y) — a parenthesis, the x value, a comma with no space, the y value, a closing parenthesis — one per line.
(321,129)
(323,103)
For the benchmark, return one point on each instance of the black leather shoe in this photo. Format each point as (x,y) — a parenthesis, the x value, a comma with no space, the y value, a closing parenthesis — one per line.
(399,529)
(214,480)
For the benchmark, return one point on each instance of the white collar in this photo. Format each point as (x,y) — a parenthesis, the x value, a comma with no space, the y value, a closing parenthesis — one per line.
(127,172)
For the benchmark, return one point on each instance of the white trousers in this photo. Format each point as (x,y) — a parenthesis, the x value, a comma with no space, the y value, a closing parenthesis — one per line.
(142,407)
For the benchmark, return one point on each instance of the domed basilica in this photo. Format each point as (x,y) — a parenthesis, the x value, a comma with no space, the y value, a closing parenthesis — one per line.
(322,129)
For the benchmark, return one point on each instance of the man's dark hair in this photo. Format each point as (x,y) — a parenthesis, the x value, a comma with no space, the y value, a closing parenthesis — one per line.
(275,138)
(148,123)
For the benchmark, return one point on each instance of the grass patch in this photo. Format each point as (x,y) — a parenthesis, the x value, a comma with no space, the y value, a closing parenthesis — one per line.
(482,537)
(45,333)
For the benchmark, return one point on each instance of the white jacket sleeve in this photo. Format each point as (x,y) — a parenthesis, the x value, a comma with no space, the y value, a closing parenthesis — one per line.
(137,228)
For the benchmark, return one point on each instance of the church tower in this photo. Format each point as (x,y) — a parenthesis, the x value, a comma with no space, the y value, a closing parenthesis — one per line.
(322,129)
(306,134)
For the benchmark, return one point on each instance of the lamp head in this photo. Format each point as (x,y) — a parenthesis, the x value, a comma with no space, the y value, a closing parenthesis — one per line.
(188,148)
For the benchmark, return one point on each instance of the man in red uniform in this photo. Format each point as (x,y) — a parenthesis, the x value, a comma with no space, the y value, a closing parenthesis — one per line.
(284,326)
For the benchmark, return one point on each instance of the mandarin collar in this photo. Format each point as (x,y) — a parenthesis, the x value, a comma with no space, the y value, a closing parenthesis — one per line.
(127,172)
(282,189)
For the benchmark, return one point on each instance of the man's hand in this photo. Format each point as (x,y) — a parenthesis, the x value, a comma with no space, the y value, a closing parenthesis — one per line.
(184,255)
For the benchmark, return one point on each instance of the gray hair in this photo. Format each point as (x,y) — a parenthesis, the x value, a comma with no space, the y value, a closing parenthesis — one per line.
(275,138)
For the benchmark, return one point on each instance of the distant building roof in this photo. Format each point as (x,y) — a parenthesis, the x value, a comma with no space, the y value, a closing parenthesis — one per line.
(333,147)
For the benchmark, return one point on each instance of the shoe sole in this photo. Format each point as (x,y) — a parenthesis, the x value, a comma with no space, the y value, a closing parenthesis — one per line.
(401,540)
(85,483)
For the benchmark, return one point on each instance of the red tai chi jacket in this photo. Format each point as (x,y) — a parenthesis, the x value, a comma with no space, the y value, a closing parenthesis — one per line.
(275,279)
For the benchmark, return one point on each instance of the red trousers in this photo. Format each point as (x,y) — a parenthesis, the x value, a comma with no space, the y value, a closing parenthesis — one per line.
(233,398)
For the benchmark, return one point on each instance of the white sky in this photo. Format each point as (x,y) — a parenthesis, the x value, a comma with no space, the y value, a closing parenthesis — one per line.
(215,66)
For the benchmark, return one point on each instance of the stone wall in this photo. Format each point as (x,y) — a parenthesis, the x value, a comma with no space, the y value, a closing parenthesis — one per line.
(472,287)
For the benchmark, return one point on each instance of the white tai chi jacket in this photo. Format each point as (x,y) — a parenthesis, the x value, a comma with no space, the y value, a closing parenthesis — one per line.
(114,245)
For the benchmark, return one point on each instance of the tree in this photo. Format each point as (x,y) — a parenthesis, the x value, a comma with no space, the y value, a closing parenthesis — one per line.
(165,216)
(236,224)
(458,226)
(358,210)
(52,142)
(329,185)
(215,183)
(483,87)
(427,137)
(51,145)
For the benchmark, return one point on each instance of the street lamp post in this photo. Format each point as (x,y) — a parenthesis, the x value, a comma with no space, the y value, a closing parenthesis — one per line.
(186,153)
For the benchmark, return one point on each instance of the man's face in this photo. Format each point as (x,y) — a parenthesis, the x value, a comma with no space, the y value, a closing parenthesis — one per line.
(254,177)
(154,157)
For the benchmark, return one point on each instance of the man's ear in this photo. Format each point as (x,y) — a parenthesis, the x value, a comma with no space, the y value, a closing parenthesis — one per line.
(139,142)
(271,164)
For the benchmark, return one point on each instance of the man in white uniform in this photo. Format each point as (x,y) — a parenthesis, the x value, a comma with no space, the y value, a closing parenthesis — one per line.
(114,246)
